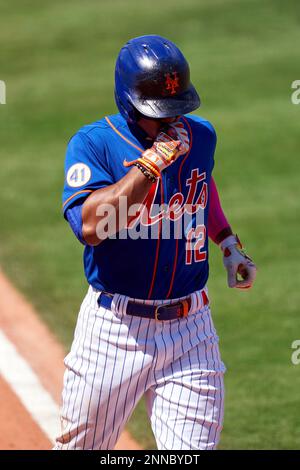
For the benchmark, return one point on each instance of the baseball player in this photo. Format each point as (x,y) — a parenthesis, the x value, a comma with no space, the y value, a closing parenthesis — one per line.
(140,196)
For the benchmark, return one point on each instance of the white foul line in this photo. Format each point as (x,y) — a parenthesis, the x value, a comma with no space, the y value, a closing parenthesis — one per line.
(26,385)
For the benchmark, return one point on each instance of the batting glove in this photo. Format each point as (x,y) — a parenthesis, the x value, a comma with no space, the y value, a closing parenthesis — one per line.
(177,130)
(237,262)
(168,146)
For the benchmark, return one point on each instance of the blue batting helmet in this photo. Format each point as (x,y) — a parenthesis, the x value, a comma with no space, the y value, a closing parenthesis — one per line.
(152,77)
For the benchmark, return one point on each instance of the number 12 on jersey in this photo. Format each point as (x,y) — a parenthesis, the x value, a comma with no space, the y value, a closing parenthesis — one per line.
(194,244)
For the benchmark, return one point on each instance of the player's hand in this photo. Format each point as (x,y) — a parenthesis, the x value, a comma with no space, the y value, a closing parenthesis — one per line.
(237,263)
(177,130)
(170,143)
(167,147)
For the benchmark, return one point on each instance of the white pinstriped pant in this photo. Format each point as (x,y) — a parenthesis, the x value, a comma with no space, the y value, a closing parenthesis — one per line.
(115,359)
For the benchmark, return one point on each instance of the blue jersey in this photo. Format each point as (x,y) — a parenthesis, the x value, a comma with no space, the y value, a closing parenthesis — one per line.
(163,253)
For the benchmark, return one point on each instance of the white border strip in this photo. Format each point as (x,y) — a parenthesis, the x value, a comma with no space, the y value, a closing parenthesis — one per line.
(26,385)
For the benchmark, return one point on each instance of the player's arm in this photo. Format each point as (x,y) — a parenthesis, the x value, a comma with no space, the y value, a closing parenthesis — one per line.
(235,260)
(104,204)
(89,188)
(218,225)
(101,213)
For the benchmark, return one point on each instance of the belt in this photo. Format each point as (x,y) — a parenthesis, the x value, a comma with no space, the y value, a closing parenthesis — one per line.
(179,309)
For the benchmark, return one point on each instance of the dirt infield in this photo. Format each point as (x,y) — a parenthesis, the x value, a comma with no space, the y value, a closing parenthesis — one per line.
(44,355)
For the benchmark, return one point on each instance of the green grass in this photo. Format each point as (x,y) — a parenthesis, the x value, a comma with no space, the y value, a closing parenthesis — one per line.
(57,59)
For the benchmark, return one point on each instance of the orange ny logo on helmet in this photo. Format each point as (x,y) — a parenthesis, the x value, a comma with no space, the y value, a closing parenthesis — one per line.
(172,83)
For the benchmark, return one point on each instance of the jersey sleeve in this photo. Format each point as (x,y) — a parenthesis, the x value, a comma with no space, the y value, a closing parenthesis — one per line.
(86,169)
(74,217)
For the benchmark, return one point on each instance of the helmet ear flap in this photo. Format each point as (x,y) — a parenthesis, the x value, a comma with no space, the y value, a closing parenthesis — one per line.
(132,112)
(126,108)
(122,108)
